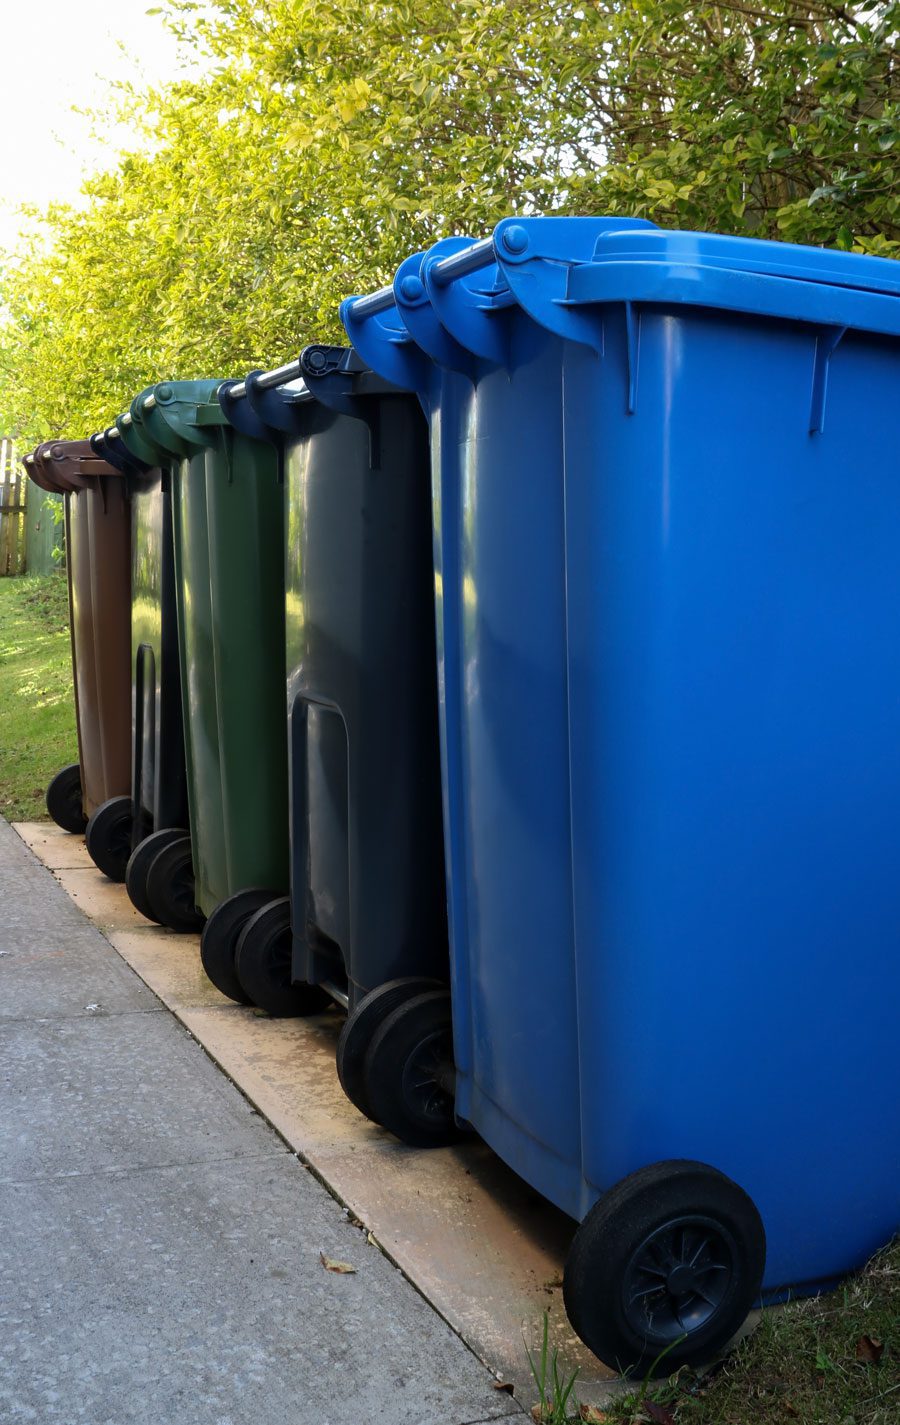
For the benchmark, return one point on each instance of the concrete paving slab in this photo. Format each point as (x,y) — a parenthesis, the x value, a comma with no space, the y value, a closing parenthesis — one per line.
(199,1298)
(51,962)
(475,1240)
(122,1090)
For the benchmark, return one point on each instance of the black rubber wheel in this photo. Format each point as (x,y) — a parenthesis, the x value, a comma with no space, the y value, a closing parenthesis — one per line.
(670,1260)
(221,933)
(403,1069)
(108,837)
(170,887)
(64,800)
(139,863)
(262,960)
(360,1028)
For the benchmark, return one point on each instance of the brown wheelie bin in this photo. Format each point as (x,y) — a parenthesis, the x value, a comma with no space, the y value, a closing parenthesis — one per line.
(98,559)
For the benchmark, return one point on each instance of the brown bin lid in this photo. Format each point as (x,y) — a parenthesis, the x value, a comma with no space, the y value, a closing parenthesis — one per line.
(63,466)
(35,472)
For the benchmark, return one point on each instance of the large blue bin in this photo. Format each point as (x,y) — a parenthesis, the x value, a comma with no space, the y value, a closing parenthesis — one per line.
(666,491)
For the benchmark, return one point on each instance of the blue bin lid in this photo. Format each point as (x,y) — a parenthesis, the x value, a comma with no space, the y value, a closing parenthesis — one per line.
(562,271)
(739,274)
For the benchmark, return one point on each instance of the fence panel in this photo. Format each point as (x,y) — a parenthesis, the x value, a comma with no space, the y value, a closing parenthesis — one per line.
(12,510)
(42,532)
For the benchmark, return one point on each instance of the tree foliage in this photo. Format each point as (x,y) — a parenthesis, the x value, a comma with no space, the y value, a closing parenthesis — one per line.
(322,142)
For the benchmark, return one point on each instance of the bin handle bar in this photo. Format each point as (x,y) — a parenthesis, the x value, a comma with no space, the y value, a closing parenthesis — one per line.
(458,264)
(267,380)
(149,402)
(380,301)
(126,419)
(114,433)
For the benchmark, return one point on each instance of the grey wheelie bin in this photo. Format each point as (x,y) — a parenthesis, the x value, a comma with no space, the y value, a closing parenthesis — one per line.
(366,921)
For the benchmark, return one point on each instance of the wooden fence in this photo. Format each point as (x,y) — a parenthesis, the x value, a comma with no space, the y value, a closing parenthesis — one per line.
(29,534)
(13,481)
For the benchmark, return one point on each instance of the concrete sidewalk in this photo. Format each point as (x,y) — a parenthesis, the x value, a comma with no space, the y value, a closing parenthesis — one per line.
(160,1255)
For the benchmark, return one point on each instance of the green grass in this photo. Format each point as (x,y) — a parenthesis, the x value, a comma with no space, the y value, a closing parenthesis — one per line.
(37,712)
(831,1360)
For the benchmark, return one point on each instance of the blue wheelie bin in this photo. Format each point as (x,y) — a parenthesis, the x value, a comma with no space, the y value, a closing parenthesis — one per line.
(366,920)
(125,833)
(666,494)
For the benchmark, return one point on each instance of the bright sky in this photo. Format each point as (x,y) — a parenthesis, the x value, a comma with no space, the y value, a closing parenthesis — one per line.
(56,54)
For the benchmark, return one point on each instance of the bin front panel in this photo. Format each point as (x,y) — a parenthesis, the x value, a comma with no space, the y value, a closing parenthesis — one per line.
(367,855)
(160,790)
(228,522)
(734,654)
(81,629)
(99,553)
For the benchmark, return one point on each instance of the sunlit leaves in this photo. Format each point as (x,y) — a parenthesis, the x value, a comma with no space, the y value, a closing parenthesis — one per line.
(328,140)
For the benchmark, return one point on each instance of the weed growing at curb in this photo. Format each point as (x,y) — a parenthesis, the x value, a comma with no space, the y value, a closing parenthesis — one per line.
(827,1360)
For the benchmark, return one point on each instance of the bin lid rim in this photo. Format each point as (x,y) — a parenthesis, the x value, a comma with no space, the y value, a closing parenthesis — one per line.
(715,252)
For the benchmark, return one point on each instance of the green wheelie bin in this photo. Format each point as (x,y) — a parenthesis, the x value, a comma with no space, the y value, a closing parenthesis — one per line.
(227,514)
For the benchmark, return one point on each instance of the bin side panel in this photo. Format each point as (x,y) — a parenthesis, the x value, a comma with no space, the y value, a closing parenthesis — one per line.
(733,588)
(246,569)
(71,533)
(158,758)
(366,820)
(198,679)
(110,537)
(500,547)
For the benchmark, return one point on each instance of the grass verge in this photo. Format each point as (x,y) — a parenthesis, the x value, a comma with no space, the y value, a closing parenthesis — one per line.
(37,711)
(830,1360)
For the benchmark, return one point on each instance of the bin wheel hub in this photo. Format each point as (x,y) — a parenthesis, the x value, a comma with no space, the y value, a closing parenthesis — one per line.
(678,1277)
(422,1089)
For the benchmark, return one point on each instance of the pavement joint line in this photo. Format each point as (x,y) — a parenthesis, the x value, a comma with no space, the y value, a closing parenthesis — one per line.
(492,1419)
(87,1014)
(137,1170)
